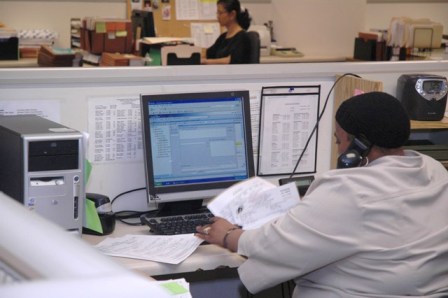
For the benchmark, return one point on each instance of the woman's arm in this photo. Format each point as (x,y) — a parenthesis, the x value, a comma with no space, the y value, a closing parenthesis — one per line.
(228,51)
(224,60)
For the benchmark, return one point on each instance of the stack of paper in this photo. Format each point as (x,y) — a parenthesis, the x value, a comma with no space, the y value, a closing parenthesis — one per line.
(165,249)
(254,202)
(166,40)
(6,32)
(405,32)
(31,40)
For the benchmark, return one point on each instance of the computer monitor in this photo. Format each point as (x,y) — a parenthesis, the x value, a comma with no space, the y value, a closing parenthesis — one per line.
(143,24)
(195,145)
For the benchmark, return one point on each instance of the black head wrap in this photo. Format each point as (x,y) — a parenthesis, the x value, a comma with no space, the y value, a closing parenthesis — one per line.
(378,116)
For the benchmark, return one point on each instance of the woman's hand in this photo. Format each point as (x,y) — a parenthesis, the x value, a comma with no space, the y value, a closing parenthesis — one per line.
(219,232)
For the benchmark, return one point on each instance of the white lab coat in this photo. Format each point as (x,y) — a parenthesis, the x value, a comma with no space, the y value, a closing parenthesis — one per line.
(374,231)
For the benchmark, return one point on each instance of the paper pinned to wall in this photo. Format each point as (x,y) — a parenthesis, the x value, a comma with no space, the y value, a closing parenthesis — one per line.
(195,10)
(115,129)
(204,34)
(49,109)
(288,129)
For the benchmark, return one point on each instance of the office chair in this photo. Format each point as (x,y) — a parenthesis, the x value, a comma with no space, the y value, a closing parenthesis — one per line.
(254,39)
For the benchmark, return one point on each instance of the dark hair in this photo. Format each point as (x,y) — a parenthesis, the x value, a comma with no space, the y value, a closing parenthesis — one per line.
(242,17)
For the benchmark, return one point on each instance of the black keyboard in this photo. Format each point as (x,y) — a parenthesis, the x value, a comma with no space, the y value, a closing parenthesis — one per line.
(176,224)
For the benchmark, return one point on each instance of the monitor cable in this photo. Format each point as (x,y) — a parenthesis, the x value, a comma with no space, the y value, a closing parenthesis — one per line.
(318,120)
(128,216)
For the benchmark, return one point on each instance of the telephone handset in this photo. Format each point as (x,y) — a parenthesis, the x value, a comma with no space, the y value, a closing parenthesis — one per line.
(355,153)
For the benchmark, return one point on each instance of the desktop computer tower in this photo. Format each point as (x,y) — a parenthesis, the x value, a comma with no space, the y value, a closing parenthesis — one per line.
(42,166)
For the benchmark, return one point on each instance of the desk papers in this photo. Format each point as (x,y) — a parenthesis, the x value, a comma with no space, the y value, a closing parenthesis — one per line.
(254,202)
(166,249)
(164,40)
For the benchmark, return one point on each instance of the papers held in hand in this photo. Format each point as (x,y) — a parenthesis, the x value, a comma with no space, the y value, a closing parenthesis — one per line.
(253,202)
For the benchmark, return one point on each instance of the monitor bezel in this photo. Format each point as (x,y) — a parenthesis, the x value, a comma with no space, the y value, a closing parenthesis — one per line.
(188,192)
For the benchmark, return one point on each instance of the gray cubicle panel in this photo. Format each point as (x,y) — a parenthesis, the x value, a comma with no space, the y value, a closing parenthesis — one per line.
(76,97)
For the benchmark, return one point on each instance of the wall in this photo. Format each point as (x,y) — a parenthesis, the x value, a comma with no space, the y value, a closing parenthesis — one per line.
(378,15)
(315,27)
(55,15)
(319,27)
(292,19)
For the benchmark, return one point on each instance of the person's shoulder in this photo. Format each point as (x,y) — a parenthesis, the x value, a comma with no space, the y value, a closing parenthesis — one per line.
(241,35)
(430,162)
(221,36)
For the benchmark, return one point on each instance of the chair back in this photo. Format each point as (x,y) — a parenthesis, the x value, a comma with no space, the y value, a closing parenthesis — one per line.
(254,39)
(180,55)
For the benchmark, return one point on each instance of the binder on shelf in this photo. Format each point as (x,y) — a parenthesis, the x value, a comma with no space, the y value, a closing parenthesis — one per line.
(62,57)
(117,59)
(9,44)
(370,46)
(106,35)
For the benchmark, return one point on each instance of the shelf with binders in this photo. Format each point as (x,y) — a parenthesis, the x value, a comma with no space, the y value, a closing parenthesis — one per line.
(429,137)
(75,33)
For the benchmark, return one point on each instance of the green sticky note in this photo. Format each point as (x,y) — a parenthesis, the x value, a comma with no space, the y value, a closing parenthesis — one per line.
(92,219)
(87,170)
(174,288)
(100,27)
(121,33)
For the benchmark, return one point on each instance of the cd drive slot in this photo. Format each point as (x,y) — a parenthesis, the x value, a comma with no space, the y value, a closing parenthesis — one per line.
(47,181)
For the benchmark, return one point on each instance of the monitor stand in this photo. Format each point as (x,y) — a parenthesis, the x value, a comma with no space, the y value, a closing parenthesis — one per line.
(181,207)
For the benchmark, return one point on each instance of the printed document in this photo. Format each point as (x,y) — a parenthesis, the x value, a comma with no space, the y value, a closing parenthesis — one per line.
(166,249)
(253,202)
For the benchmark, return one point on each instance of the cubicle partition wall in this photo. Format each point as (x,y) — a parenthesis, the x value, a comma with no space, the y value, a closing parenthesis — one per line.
(104,103)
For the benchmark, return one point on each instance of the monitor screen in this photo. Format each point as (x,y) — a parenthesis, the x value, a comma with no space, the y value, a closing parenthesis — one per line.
(196,144)
(142,24)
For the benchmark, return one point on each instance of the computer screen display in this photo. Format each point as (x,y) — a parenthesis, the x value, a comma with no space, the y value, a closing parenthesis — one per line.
(196,144)
(143,24)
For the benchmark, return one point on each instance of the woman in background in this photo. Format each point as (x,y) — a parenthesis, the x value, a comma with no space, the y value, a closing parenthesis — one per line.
(233,46)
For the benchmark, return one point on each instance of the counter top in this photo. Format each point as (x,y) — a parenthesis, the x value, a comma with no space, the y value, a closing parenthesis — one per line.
(206,257)
(32,62)
(438,55)
(304,59)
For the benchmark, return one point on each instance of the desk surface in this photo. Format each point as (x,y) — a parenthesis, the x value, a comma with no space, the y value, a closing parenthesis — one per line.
(442,124)
(206,257)
(24,62)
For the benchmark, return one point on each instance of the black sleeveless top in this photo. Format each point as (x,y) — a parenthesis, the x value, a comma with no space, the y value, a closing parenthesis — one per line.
(237,47)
